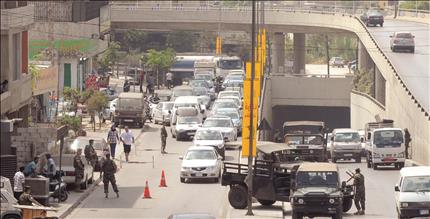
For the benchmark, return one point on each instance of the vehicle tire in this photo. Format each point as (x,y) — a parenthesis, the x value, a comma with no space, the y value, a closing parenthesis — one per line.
(338,215)
(382,24)
(374,166)
(333,159)
(358,159)
(399,216)
(238,196)
(413,50)
(368,162)
(393,49)
(84,185)
(401,165)
(266,202)
(182,179)
(295,215)
(63,195)
(12,217)
(347,204)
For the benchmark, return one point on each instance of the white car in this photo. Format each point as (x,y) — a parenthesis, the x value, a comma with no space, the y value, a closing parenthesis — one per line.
(229,93)
(236,100)
(186,126)
(161,113)
(224,124)
(210,137)
(223,103)
(234,115)
(413,192)
(201,162)
(337,62)
(109,111)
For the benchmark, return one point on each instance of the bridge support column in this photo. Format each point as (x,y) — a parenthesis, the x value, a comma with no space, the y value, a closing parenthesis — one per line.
(379,84)
(278,52)
(364,61)
(299,53)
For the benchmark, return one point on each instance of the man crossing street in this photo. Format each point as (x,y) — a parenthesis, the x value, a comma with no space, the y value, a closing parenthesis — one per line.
(359,197)
(163,139)
(79,169)
(127,139)
(109,169)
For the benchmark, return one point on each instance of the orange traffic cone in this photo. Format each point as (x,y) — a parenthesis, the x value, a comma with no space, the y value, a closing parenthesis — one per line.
(146,191)
(163,180)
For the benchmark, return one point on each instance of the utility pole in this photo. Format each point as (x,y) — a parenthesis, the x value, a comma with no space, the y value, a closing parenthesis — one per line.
(251,134)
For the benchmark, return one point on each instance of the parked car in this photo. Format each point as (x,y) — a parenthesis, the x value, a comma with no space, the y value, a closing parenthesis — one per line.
(373,17)
(402,41)
(161,113)
(413,192)
(100,145)
(210,137)
(337,62)
(224,124)
(109,111)
(110,93)
(201,162)
(8,211)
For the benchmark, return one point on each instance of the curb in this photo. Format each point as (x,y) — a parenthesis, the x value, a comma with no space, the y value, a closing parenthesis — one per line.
(80,199)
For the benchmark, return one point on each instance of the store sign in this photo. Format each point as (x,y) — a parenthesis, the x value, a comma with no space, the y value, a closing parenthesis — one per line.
(66,48)
(46,80)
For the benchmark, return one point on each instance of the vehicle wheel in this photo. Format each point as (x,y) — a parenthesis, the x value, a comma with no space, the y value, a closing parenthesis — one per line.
(358,159)
(12,217)
(394,49)
(63,195)
(413,50)
(295,215)
(368,162)
(266,202)
(182,179)
(399,216)
(347,204)
(382,24)
(333,159)
(216,180)
(84,185)
(338,215)
(401,165)
(375,167)
(237,196)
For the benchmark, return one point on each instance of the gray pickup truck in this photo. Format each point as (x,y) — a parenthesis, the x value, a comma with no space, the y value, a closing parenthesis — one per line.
(130,109)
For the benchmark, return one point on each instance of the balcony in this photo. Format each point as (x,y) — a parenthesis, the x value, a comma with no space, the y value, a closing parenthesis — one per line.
(18,94)
(21,17)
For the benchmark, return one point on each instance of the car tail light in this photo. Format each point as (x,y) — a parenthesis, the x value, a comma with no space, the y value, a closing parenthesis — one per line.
(70,173)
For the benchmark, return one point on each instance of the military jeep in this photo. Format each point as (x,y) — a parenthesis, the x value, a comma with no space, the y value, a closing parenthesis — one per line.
(317,191)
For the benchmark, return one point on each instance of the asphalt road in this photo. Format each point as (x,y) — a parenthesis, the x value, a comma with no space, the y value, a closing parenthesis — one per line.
(414,69)
(201,196)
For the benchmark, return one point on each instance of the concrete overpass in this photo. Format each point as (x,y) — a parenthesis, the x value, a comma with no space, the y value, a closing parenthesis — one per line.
(399,93)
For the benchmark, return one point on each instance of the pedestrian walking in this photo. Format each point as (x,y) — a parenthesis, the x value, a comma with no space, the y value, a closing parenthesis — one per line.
(79,169)
(142,79)
(26,198)
(18,183)
(359,196)
(169,80)
(90,153)
(51,170)
(109,169)
(30,169)
(150,84)
(163,139)
(112,140)
(127,139)
(408,140)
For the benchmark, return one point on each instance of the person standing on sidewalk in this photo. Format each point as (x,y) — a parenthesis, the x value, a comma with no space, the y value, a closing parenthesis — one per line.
(18,183)
(408,140)
(163,139)
(169,80)
(127,139)
(90,153)
(112,139)
(109,169)
(360,194)
(79,169)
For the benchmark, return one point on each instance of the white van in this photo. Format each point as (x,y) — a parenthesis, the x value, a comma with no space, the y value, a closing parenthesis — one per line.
(346,145)
(413,192)
(187,121)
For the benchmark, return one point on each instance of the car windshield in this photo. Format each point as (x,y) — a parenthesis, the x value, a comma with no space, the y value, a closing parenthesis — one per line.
(183,92)
(317,178)
(202,77)
(200,155)
(232,115)
(217,123)
(129,103)
(199,83)
(218,105)
(168,106)
(388,138)
(312,139)
(225,94)
(230,64)
(199,91)
(234,77)
(208,135)
(188,120)
(404,35)
(416,184)
(184,105)
(347,137)
(81,143)
(234,83)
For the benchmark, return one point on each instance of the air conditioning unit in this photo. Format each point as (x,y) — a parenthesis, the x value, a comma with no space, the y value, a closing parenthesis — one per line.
(6,125)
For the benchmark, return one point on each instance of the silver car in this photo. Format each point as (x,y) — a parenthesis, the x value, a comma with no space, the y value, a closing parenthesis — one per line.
(161,113)
(201,162)
(210,137)
(234,116)
(402,41)
(224,124)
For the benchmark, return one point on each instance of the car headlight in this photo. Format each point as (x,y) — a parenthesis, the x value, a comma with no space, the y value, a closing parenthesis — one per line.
(311,151)
(300,201)
(404,204)
(210,168)
(331,201)
(186,168)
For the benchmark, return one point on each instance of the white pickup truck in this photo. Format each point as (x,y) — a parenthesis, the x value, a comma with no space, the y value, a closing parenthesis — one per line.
(385,145)
(7,201)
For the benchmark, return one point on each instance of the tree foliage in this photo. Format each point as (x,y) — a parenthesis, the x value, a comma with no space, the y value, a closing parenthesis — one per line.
(420,5)
(110,56)
(160,61)
(95,105)
(363,82)
(73,122)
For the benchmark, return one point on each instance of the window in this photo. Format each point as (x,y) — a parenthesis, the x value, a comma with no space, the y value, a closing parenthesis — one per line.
(16,56)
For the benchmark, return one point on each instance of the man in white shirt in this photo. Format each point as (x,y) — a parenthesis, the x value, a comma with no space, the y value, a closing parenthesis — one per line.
(18,183)
(169,80)
(127,139)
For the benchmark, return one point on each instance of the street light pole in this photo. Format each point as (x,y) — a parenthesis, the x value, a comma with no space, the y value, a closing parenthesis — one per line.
(251,128)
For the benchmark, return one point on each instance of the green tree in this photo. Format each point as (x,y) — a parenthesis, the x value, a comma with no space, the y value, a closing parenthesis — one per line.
(72,95)
(110,56)
(160,61)
(363,82)
(34,72)
(95,105)
(73,122)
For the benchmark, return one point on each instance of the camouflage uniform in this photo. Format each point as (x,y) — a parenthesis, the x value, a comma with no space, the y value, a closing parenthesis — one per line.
(25,199)
(109,169)
(79,170)
(359,197)
(90,155)
(163,139)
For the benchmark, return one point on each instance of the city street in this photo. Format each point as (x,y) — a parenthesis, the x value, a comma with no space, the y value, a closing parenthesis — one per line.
(201,196)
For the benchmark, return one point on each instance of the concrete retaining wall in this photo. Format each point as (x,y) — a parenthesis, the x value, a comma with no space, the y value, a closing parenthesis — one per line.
(364,108)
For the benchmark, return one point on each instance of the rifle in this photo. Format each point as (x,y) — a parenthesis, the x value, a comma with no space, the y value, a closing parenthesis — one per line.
(350,174)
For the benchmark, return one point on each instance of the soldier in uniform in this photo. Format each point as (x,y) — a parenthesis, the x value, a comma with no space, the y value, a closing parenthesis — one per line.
(79,169)
(359,197)
(90,153)
(163,139)
(109,169)
(26,199)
